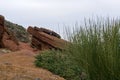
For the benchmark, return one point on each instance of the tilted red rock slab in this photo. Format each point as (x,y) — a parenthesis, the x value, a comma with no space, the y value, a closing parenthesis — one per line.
(39,44)
(50,32)
(48,39)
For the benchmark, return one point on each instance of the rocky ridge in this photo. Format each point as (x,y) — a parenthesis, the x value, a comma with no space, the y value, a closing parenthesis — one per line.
(17,55)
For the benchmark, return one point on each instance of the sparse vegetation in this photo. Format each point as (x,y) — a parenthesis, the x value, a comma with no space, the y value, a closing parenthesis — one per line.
(18,30)
(95,49)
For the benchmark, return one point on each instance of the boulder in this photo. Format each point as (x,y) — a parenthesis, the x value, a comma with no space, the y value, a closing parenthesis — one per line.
(7,39)
(42,39)
(9,43)
(50,32)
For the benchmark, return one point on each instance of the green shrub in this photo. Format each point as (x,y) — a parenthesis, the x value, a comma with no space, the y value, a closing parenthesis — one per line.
(58,63)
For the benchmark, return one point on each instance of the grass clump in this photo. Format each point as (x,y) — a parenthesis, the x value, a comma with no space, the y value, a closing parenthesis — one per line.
(96,49)
(58,63)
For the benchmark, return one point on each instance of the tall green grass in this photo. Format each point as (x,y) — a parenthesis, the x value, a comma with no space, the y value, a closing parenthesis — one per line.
(94,53)
(96,49)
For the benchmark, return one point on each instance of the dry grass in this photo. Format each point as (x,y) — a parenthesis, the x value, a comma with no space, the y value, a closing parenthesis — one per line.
(19,66)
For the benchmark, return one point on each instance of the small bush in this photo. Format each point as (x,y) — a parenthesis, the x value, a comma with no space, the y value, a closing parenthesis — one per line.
(58,63)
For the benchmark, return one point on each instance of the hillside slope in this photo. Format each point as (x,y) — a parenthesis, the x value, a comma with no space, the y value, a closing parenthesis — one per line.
(18,30)
(20,66)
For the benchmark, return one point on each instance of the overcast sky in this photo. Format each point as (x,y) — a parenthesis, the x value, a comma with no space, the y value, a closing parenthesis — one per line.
(51,13)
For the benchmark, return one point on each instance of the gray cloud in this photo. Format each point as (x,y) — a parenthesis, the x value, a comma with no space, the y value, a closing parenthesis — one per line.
(50,13)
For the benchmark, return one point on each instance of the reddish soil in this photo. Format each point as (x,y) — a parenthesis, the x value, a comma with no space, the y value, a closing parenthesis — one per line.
(26,46)
(19,65)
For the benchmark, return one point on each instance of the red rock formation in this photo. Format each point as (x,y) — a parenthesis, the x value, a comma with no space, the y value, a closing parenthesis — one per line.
(1,30)
(43,40)
(9,43)
(7,39)
(52,33)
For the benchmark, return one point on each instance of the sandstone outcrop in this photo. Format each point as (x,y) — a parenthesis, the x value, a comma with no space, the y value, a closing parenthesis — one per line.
(46,39)
(41,38)
(7,39)
(47,31)
(1,30)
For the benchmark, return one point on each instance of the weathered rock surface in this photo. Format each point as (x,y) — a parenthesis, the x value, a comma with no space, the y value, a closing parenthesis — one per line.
(1,30)
(7,39)
(46,39)
(50,32)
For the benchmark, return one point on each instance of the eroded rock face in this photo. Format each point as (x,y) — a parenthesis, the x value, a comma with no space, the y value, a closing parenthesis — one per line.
(1,30)
(7,39)
(46,39)
(9,43)
(2,20)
